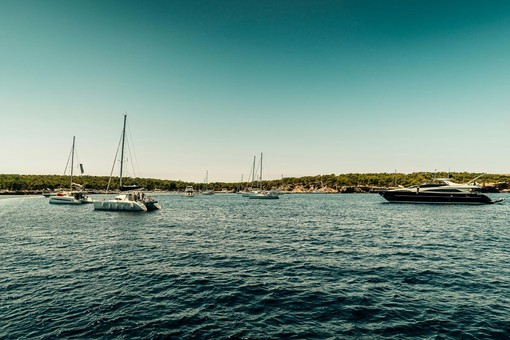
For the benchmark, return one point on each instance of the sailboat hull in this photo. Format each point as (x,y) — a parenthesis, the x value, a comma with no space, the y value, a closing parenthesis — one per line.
(132,200)
(152,205)
(113,205)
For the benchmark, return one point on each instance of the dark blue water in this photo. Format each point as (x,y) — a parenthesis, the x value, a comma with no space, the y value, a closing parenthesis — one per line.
(304,266)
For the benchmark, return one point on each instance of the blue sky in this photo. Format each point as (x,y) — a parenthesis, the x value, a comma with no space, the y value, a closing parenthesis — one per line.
(320,87)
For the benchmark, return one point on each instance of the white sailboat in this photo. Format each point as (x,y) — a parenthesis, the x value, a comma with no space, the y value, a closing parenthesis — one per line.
(71,197)
(249,191)
(207,191)
(239,189)
(263,194)
(132,200)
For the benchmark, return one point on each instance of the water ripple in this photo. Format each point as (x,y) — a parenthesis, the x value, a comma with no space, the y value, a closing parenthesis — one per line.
(305,266)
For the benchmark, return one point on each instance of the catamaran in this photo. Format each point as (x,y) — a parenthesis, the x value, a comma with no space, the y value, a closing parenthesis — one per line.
(134,199)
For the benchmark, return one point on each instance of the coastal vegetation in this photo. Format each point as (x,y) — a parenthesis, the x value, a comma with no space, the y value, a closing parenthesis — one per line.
(353,182)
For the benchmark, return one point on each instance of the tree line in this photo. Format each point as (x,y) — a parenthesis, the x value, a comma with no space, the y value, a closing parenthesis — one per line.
(14,182)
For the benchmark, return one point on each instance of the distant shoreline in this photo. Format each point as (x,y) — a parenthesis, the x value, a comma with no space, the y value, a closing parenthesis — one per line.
(14,184)
(344,190)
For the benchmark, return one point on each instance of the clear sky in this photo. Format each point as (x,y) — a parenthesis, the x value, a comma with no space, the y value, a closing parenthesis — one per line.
(320,87)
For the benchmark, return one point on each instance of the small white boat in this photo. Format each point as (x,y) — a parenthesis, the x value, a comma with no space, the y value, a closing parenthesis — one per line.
(70,197)
(64,198)
(48,194)
(189,192)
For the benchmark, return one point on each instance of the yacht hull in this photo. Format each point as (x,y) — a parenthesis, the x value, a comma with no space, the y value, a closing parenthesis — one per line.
(449,198)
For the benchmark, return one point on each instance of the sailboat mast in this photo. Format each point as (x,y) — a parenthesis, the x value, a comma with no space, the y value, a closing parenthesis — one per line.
(260,178)
(241,184)
(122,150)
(72,163)
(253,171)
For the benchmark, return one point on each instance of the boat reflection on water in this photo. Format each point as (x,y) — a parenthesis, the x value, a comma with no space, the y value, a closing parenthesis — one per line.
(442,191)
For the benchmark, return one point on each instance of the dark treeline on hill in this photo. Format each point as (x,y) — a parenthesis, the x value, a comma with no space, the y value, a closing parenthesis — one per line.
(53,182)
(332,183)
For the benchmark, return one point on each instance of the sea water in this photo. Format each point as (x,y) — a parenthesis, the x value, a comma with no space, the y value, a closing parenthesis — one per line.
(224,266)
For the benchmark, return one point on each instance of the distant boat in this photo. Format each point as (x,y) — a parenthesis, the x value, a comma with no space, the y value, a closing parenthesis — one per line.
(189,192)
(133,199)
(444,191)
(267,195)
(207,191)
(239,189)
(70,197)
(249,191)
(261,194)
(48,194)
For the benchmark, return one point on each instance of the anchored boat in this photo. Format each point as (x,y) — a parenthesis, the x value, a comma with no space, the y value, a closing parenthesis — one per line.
(442,191)
(133,199)
(72,196)
(261,194)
